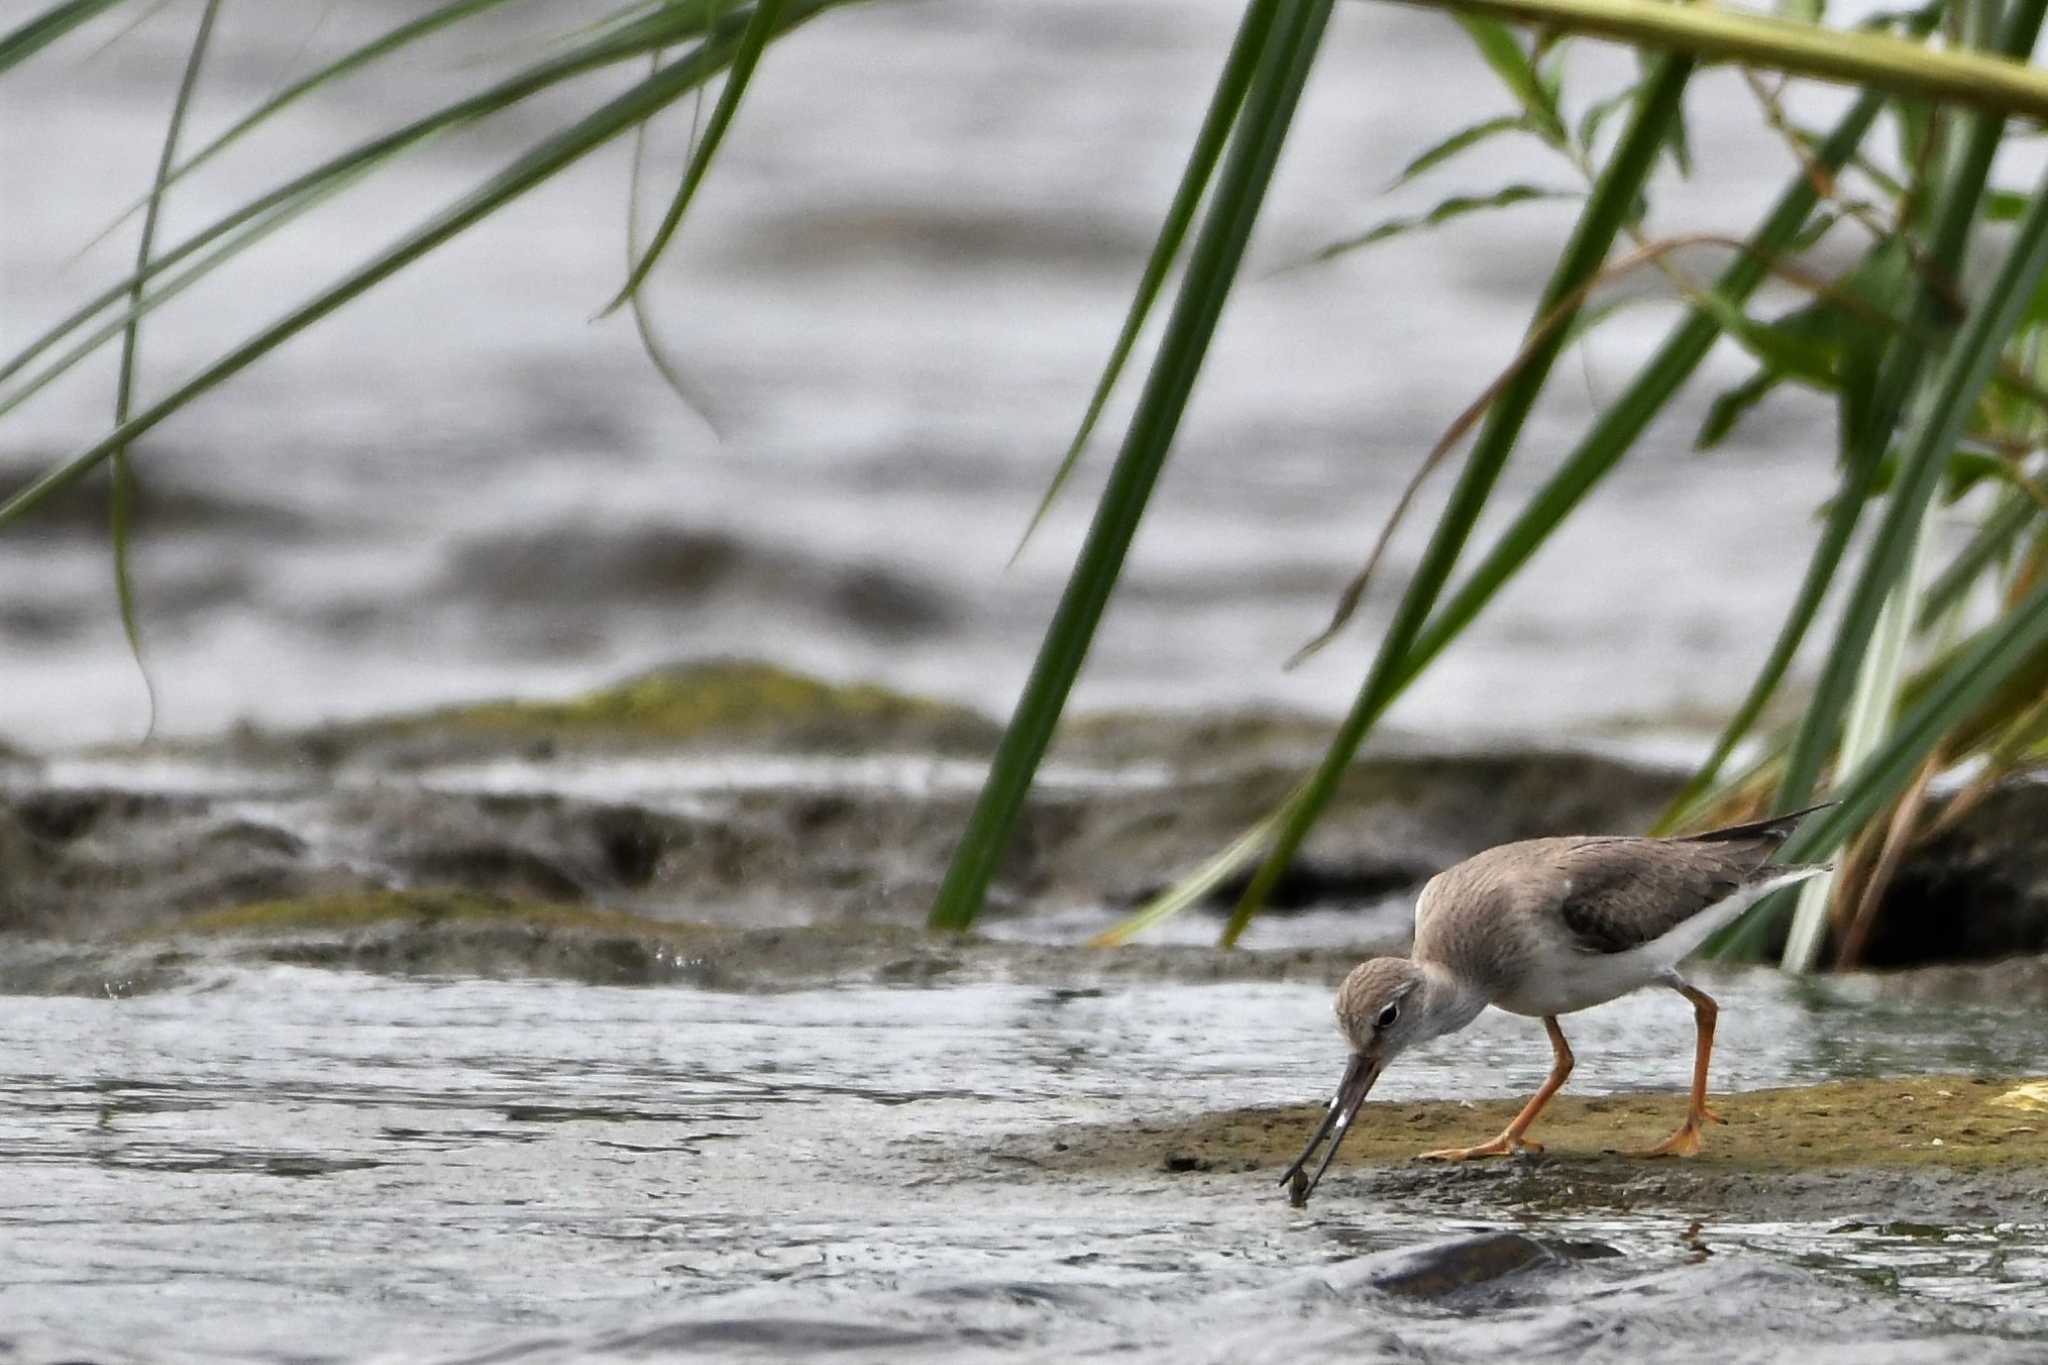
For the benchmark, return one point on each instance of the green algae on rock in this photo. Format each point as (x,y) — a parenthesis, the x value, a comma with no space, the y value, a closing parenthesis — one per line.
(723,700)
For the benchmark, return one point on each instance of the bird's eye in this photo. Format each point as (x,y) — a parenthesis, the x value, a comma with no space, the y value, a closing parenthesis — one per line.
(1387,1017)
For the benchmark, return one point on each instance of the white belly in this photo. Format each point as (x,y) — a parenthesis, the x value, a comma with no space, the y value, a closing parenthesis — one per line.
(1568,981)
(1561,979)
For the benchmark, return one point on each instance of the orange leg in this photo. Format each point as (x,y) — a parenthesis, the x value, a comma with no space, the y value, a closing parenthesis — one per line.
(1511,1139)
(1686,1141)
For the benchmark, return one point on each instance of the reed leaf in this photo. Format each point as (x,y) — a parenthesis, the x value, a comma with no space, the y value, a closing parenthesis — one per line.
(1961,194)
(1993,541)
(1999,653)
(1247,171)
(27,39)
(1619,187)
(1446,211)
(1850,57)
(121,502)
(1964,372)
(1503,52)
(303,191)
(383,45)
(1212,873)
(1463,140)
(1224,104)
(1616,430)
(762,25)
(538,164)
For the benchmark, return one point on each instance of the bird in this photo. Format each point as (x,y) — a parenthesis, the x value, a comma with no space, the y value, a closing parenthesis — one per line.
(1544,928)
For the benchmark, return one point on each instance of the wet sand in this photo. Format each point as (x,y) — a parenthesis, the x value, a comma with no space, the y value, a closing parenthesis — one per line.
(1952,1146)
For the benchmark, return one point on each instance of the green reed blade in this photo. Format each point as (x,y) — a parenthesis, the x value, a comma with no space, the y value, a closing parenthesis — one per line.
(1993,541)
(1612,435)
(304,190)
(1503,52)
(1224,104)
(1963,373)
(762,24)
(1212,267)
(538,164)
(2014,642)
(1619,186)
(121,504)
(1960,198)
(383,45)
(1445,211)
(46,28)
(1869,59)
(1464,139)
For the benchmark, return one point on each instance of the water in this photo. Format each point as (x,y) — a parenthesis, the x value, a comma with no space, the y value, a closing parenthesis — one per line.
(896,291)
(289,1165)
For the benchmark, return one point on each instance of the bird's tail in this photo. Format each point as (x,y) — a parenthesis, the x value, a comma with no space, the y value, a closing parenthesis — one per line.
(1775,830)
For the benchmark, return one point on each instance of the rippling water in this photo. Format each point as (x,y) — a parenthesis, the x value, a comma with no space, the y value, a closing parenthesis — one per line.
(896,293)
(290,1165)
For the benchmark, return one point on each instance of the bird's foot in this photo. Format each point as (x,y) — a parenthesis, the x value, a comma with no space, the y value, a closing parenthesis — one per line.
(1504,1145)
(1684,1142)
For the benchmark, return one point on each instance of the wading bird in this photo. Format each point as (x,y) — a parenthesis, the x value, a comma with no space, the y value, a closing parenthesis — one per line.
(1543,928)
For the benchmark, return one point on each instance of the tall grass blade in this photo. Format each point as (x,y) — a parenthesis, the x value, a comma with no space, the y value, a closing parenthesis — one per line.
(1951,396)
(121,504)
(1445,211)
(643,325)
(1993,541)
(383,45)
(303,190)
(1212,873)
(762,24)
(1224,104)
(27,39)
(1269,106)
(1862,358)
(1503,52)
(542,161)
(1619,424)
(1437,153)
(1962,191)
(1710,33)
(1613,197)
(2013,643)
(1870,715)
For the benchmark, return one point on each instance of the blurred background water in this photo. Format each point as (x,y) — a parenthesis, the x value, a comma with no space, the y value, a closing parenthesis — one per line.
(894,295)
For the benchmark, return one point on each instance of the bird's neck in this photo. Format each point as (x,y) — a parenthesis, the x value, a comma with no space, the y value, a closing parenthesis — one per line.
(1449,1001)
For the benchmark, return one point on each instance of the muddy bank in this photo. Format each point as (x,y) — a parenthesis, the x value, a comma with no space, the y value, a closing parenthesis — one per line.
(457,933)
(740,795)
(1934,1148)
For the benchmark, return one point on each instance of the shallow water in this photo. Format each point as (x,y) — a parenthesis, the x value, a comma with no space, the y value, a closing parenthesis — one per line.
(897,288)
(287,1164)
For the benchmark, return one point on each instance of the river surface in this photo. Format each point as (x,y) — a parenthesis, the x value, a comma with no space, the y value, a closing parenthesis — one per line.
(894,296)
(289,1164)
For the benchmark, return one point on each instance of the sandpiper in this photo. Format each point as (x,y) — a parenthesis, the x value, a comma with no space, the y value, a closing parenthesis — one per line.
(1542,928)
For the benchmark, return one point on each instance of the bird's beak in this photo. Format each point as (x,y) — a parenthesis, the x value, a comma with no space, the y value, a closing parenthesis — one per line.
(1351,1092)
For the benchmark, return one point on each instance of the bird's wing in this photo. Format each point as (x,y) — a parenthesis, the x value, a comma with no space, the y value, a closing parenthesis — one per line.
(1619,894)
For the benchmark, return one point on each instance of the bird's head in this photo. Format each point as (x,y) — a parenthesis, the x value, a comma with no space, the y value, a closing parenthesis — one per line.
(1385,1006)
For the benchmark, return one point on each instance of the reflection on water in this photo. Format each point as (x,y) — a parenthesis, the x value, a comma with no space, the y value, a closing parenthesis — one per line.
(283,1161)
